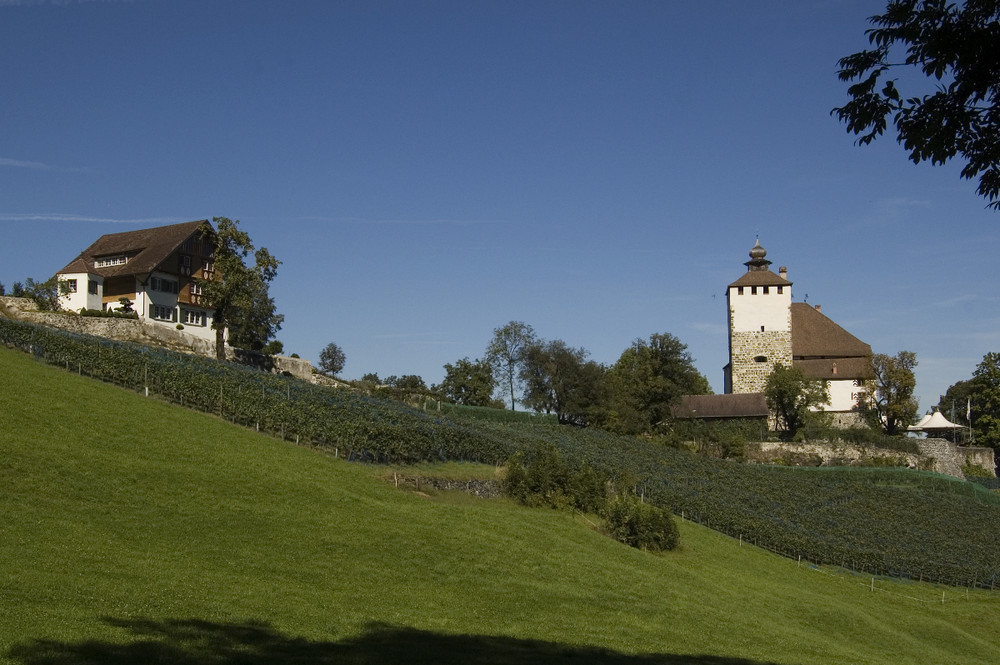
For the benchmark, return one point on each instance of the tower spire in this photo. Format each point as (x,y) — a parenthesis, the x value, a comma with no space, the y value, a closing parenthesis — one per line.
(757,260)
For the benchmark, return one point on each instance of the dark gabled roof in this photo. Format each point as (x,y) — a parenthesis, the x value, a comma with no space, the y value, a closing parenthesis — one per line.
(146,249)
(814,335)
(760,278)
(832,369)
(741,405)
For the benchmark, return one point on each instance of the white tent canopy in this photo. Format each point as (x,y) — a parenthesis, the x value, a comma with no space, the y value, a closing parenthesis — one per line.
(933,421)
(920,424)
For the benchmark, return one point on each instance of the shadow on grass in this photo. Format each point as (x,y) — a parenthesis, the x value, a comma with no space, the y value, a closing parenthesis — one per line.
(194,642)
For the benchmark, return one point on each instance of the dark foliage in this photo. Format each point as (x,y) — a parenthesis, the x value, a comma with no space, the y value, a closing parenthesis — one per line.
(108,313)
(332,359)
(641,525)
(955,44)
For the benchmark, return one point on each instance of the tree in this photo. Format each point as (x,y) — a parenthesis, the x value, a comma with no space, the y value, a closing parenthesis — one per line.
(331,359)
(956,405)
(410,382)
(468,382)
(44,294)
(505,354)
(987,392)
(125,304)
(646,380)
(978,400)
(559,379)
(947,42)
(791,396)
(240,297)
(889,402)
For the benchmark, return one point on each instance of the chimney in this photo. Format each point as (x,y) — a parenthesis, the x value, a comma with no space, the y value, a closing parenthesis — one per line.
(819,308)
(783,272)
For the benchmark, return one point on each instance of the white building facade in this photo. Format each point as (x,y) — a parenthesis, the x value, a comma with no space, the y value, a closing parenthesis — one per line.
(156,270)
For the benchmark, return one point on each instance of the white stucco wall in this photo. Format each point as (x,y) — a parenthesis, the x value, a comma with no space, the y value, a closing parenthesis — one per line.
(843,395)
(771,310)
(157,297)
(82,298)
(147,296)
(204,331)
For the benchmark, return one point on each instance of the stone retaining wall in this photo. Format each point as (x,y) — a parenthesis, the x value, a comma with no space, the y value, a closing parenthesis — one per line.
(150,334)
(935,455)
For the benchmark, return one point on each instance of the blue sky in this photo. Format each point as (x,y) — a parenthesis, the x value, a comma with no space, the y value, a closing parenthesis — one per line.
(430,170)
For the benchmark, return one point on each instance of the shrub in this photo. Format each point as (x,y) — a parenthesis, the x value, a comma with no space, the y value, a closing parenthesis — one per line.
(970,470)
(588,488)
(515,482)
(641,525)
(547,481)
(108,314)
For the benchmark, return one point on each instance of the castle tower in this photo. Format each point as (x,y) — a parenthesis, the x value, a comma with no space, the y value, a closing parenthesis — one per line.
(760,324)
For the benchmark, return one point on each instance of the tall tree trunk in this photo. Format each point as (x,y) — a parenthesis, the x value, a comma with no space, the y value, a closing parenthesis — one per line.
(220,336)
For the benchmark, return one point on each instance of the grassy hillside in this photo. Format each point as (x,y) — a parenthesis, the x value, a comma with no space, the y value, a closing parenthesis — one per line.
(885,521)
(134,531)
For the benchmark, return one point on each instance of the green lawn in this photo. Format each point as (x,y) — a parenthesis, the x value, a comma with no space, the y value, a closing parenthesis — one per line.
(135,531)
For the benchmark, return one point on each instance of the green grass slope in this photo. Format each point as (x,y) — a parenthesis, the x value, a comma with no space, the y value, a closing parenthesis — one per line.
(882,522)
(135,531)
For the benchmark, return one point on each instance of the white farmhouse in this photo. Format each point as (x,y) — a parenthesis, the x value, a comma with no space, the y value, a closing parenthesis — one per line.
(154,268)
(766,329)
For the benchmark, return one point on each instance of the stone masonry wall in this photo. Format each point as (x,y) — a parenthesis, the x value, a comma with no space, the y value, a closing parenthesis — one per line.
(935,455)
(140,332)
(750,376)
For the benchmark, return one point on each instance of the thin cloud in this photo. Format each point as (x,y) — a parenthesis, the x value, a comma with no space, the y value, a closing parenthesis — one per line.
(958,300)
(57,3)
(59,217)
(37,166)
(886,212)
(413,222)
(19,164)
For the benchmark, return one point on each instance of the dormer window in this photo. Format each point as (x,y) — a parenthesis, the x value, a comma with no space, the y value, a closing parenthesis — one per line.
(108,261)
